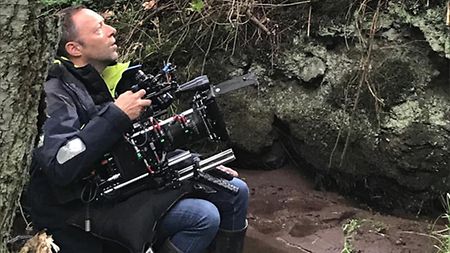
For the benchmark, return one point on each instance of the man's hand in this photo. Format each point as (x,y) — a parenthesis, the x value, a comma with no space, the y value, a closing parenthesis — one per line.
(132,104)
(228,170)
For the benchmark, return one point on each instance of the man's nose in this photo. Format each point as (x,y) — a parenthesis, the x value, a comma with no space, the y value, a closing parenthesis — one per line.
(112,30)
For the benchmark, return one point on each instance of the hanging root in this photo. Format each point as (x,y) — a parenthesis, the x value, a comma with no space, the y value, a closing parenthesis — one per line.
(363,75)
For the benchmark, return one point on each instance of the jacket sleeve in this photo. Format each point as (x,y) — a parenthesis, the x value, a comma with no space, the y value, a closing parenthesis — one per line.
(70,149)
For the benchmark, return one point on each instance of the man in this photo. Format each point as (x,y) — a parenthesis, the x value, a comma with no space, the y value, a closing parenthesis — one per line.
(83,123)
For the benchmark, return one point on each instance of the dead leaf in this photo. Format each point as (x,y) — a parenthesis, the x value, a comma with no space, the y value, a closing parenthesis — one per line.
(40,243)
(149,5)
(107,14)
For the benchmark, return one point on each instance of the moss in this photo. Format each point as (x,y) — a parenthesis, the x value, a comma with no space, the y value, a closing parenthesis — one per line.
(402,116)
(247,126)
(304,61)
(394,81)
(434,111)
(430,20)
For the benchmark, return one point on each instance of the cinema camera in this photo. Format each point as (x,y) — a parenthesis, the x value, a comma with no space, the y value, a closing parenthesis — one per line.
(148,156)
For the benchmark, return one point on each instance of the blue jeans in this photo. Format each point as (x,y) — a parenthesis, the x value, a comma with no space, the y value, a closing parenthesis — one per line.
(192,223)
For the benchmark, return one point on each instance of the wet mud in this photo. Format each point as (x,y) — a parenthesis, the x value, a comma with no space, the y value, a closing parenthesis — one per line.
(287,215)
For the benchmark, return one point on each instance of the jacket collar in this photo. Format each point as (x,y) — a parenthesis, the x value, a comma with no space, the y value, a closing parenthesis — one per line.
(116,78)
(86,75)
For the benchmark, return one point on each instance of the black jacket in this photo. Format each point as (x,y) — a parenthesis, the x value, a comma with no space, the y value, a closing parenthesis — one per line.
(79,106)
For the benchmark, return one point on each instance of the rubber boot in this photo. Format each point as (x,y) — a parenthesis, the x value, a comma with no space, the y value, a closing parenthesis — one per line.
(228,241)
(168,247)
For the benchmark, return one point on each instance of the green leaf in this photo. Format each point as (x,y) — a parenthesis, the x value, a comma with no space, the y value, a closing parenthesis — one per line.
(197,5)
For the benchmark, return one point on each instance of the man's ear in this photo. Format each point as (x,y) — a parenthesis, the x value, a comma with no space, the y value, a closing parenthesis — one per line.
(73,48)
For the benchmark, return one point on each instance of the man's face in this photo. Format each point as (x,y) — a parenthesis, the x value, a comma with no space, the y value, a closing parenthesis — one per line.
(96,39)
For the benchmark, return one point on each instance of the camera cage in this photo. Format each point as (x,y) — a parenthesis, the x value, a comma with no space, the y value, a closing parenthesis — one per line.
(143,159)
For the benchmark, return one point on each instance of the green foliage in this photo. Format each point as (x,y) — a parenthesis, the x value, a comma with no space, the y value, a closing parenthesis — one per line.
(197,5)
(349,229)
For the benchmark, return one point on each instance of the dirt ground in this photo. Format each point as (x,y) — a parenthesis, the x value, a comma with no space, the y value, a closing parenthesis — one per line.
(287,215)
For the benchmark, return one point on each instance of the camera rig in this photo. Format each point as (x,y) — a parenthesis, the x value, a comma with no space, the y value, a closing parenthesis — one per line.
(148,157)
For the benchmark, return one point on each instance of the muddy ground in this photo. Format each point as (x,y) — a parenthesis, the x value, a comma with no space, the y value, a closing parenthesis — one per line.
(287,215)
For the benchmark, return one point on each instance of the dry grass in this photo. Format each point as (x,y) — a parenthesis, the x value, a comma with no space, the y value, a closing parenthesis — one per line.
(199,26)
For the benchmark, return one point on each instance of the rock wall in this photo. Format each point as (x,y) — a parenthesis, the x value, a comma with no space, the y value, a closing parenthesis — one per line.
(368,106)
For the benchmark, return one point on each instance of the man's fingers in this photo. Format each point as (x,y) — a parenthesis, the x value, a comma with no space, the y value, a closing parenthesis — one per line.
(228,170)
(140,93)
(146,102)
(125,95)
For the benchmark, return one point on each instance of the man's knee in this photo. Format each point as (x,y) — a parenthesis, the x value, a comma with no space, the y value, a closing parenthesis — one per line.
(200,214)
(209,216)
(243,195)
